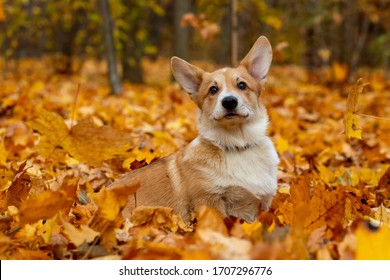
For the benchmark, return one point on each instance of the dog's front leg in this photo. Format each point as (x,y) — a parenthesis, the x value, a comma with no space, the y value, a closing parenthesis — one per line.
(241,203)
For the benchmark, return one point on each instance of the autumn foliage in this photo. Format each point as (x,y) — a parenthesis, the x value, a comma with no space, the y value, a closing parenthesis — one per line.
(63,139)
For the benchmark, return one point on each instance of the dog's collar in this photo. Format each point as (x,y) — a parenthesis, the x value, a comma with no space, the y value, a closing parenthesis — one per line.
(235,148)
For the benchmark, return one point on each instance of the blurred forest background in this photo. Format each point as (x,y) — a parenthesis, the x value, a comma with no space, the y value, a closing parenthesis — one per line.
(341,34)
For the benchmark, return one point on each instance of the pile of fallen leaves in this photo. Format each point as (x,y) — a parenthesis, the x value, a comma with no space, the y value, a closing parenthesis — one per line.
(63,139)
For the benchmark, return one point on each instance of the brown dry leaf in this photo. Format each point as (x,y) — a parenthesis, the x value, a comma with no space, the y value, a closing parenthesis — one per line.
(158,217)
(209,218)
(85,141)
(93,145)
(44,206)
(24,254)
(382,214)
(351,123)
(224,247)
(5,245)
(20,187)
(111,202)
(37,234)
(253,231)
(327,208)
(107,218)
(54,134)
(10,178)
(78,236)
(316,239)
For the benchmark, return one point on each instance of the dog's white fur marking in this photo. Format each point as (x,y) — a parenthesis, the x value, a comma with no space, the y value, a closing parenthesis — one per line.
(249,134)
(175,177)
(250,169)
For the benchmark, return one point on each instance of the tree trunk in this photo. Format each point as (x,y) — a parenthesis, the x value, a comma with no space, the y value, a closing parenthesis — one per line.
(116,85)
(133,47)
(234,34)
(132,59)
(223,56)
(182,34)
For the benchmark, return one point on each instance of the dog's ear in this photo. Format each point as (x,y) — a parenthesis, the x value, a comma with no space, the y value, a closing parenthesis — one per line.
(187,75)
(259,58)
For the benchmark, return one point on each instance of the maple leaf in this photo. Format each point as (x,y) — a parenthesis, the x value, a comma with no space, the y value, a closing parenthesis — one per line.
(54,134)
(20,187)
(383,215)
(85,141)
(158,217)
(78,236)
(110,203)
(93,145)
(326,208)
(48,203)
(351,122)
(372,245)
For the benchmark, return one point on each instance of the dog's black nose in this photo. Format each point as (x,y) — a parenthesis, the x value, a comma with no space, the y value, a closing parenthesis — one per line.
(229,102)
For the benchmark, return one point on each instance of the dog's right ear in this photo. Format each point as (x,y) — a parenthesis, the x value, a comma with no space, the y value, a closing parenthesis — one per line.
(187,75)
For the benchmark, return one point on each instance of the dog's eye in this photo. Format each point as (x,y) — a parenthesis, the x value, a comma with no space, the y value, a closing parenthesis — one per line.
(213,90)
(242,85)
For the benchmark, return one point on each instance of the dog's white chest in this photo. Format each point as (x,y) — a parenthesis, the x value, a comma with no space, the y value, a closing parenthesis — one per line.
(253,169)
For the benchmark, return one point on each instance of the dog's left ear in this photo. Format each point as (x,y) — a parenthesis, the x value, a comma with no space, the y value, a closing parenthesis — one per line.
(259,59)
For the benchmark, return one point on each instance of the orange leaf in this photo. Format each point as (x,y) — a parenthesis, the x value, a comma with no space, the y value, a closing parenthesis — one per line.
(372,245)
(81,235)
(351,122)
(44,206)
(85,141)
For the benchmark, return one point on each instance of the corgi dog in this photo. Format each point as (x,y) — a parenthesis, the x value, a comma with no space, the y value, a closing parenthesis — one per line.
(232,165)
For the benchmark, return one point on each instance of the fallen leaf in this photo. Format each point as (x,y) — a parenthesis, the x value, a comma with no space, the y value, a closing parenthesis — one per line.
(382,214)
(78,236)
(372,245)
(44,206)
(159,217)
(351,122)
(85,141)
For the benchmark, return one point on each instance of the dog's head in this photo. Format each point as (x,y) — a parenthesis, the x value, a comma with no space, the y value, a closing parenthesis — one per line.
(227,97)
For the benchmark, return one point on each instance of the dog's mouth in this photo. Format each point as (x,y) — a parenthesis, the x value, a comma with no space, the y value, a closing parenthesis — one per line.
(233,115)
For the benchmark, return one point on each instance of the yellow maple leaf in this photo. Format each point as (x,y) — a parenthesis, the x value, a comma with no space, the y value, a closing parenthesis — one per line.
(44,206)
(53,134)
(111,202)
(85,141)
(326,174)
(78,236)
(372,245)
(158,217)
(94,144)
(107,203)
(383,215)
(254,231)
(351,122)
